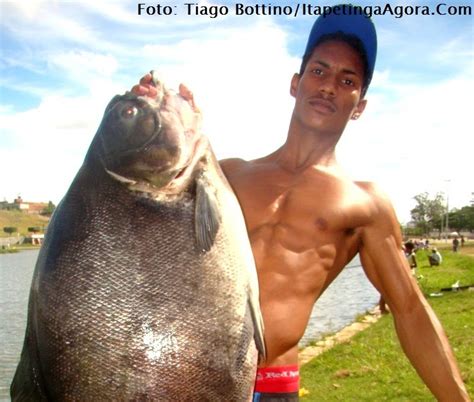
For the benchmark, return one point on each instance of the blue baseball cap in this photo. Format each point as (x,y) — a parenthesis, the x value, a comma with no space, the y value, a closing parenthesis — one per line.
(348,19)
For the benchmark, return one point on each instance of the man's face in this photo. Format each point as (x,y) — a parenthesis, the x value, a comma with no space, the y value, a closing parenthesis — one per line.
(328,93)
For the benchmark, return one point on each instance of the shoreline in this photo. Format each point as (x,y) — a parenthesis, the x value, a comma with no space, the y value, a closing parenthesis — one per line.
(344,335)
(17,249)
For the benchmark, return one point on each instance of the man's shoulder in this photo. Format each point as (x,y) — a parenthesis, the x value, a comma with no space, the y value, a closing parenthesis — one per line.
(233,167)
(373,191)
(231,164)
(381,206)
(383,218)
(236,166)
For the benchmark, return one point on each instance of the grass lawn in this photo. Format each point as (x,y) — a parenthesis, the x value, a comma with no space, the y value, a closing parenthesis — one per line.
(20,220)
(372,366)
(455,266)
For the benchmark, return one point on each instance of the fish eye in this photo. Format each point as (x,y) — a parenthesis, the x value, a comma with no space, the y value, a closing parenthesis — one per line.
(129,112)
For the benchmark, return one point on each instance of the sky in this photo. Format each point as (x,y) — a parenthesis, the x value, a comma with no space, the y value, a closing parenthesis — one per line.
(62,61)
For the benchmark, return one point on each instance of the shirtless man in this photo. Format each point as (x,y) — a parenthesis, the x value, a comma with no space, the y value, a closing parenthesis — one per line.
(306,219)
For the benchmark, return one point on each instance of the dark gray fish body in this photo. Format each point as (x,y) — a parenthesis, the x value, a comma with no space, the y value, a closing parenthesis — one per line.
(145,287)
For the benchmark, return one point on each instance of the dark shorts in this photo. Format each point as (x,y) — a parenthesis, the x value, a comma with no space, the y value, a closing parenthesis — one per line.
(275,397)
(277,384)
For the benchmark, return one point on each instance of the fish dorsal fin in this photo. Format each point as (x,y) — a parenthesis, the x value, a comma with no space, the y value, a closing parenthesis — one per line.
(207,216)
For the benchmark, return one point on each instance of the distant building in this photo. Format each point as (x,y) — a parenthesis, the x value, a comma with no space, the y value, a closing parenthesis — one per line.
(29,207)
(24,206)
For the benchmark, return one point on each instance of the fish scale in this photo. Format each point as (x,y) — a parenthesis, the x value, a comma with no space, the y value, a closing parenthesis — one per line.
(129,301)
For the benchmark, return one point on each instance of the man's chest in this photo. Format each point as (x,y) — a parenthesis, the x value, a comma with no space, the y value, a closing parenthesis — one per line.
(309,205)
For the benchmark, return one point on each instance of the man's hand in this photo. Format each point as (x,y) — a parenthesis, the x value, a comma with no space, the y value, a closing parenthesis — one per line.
(191,117)
(146,87)
(188,95)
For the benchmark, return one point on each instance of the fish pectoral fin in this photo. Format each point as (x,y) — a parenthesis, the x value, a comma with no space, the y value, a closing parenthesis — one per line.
(207,216)
(257,320)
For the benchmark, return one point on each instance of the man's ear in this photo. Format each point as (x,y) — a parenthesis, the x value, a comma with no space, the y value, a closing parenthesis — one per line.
(294,84)
(359,109)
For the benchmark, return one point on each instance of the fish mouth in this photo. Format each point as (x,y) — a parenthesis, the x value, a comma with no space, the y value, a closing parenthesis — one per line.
(185,174)
(180,173)
(120,178)
(167,182)
(176,174)
(145,185)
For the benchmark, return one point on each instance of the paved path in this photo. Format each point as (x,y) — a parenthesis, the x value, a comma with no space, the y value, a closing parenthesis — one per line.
(344,335)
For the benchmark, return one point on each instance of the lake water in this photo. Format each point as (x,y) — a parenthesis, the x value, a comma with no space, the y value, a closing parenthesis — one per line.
(349,295)
(16,271)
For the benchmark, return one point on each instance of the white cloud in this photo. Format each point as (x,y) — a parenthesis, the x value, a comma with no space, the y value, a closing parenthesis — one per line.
(118,11)
(42,21)
(410,139)
(244,97)
(413,143)
(46,145)
(455,51)
(84,65)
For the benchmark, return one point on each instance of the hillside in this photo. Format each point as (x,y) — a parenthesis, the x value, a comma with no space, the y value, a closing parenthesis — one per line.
(22,221)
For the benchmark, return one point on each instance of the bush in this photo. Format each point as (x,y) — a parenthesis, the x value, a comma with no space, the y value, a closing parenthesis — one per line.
(10,229)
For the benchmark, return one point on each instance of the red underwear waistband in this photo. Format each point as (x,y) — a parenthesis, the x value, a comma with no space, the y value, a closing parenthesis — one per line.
(278,379)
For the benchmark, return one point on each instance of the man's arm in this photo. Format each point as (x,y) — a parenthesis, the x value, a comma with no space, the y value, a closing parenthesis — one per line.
(419,330)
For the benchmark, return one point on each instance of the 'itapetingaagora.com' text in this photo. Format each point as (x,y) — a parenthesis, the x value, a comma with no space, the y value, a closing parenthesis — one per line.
(300,9)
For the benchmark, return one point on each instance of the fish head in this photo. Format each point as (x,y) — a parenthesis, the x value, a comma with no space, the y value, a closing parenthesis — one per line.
(151,144)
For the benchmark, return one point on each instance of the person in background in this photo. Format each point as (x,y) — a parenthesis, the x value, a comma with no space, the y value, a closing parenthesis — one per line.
(383,306)
(410,255)
(455,244)
(435,257)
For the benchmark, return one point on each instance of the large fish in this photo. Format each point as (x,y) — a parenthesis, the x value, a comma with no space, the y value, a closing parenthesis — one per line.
(145,287)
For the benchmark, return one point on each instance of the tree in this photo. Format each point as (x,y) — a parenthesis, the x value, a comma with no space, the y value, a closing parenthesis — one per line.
(34,229)
(10,229)
(468,213)
(462,219)
(49,209)
(428,212)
